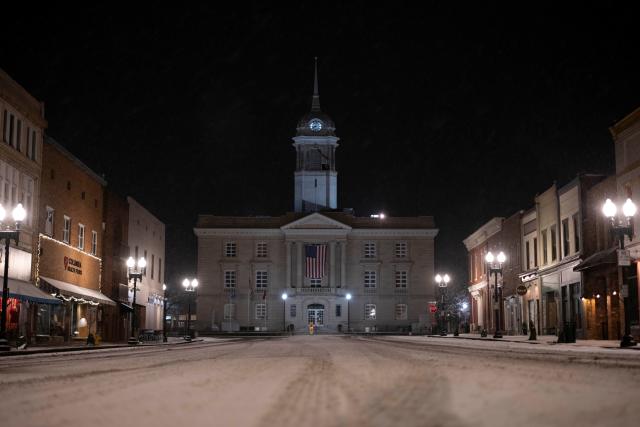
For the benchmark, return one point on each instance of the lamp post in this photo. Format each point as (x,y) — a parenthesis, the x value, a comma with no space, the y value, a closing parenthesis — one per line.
(495,268)
(164,313)
(621,228)
(284,297)
(135,271)
(8,234)
(189,287)
(443,282)
(348,297)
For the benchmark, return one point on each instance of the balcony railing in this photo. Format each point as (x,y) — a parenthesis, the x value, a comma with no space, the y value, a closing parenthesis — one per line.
(317,291)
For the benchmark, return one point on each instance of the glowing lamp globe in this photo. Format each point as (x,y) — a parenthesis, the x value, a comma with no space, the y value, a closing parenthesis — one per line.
(609,209)
(19,214)
(489,257)
(629,208)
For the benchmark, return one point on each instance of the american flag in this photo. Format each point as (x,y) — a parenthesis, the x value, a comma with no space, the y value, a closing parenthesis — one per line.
(316,257)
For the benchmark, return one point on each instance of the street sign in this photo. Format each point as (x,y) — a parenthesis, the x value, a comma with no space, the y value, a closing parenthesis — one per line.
(624,257)
(433,308)
(521,290)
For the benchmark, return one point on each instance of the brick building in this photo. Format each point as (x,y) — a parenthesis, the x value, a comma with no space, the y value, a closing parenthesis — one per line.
(69,256)
(117,320)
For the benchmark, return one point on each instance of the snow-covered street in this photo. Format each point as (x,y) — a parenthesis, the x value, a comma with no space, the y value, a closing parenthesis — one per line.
(324,380)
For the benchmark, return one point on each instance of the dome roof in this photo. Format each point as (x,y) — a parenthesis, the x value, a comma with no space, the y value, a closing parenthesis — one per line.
(315,123)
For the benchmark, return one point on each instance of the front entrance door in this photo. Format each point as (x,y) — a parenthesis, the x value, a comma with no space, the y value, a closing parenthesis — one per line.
(315,314)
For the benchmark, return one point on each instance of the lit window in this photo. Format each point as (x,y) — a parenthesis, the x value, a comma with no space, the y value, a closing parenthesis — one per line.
(94,242)
(66,231)
(80,236)
(48,225)
(370,312)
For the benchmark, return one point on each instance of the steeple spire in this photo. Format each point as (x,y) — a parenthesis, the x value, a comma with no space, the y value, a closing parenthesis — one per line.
(315,103)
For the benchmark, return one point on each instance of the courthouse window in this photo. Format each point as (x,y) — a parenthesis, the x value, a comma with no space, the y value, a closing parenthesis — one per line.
(401,311)
(262,279)
(261,310)
(230,250)
(370,250)
(401,250)
(230,279)
(370,312)
(229,311)
(401,279)
(369,279)
(261,249)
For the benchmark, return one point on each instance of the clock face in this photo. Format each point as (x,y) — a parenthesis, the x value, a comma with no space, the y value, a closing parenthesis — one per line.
(315,125)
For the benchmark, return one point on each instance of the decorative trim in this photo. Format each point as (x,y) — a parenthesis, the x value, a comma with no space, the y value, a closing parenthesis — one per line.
(232,232)
(395,232)
(320,218)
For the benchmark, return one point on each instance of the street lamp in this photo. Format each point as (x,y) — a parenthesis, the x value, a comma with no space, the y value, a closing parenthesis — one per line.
(494,266)
(443,282)
(164,313)
(135,274)
(348,297)
(189,287)
(284,297)
(621,228)
(8,234)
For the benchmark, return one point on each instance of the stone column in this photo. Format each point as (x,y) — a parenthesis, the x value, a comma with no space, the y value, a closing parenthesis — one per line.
(332,264)
(288,245)
(343,266)
(299,262)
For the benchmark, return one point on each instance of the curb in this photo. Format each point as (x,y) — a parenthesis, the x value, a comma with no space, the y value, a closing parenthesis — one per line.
(529,342)
(80,348)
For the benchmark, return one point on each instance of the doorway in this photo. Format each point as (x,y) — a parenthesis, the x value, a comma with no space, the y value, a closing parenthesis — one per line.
(315,314)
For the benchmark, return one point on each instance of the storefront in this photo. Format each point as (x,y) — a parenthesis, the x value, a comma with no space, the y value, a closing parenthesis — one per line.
(28,310)
(73,277)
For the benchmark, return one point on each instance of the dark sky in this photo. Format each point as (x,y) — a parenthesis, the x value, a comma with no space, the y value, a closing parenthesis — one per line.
(460,113)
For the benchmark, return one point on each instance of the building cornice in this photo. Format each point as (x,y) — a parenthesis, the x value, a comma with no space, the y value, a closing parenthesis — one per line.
(225,232)
(395,232)
(483,233)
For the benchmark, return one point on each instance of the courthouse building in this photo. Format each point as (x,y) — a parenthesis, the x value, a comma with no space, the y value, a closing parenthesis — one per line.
(316,255)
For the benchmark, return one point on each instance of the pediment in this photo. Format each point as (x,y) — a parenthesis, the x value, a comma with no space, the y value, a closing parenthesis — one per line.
(315,221)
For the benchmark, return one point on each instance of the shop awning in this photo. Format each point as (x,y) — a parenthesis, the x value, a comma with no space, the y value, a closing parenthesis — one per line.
(78,291)
(26,291)
(607,256)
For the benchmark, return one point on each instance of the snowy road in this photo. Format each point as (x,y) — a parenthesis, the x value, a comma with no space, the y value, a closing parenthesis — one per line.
(323,381)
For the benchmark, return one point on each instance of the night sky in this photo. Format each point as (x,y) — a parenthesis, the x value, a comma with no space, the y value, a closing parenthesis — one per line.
(464,114)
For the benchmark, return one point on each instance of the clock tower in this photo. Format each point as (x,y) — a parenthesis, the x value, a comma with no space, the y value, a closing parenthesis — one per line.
(316,178)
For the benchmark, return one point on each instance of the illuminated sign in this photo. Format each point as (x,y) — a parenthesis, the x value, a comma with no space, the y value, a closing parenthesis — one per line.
(72,265)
